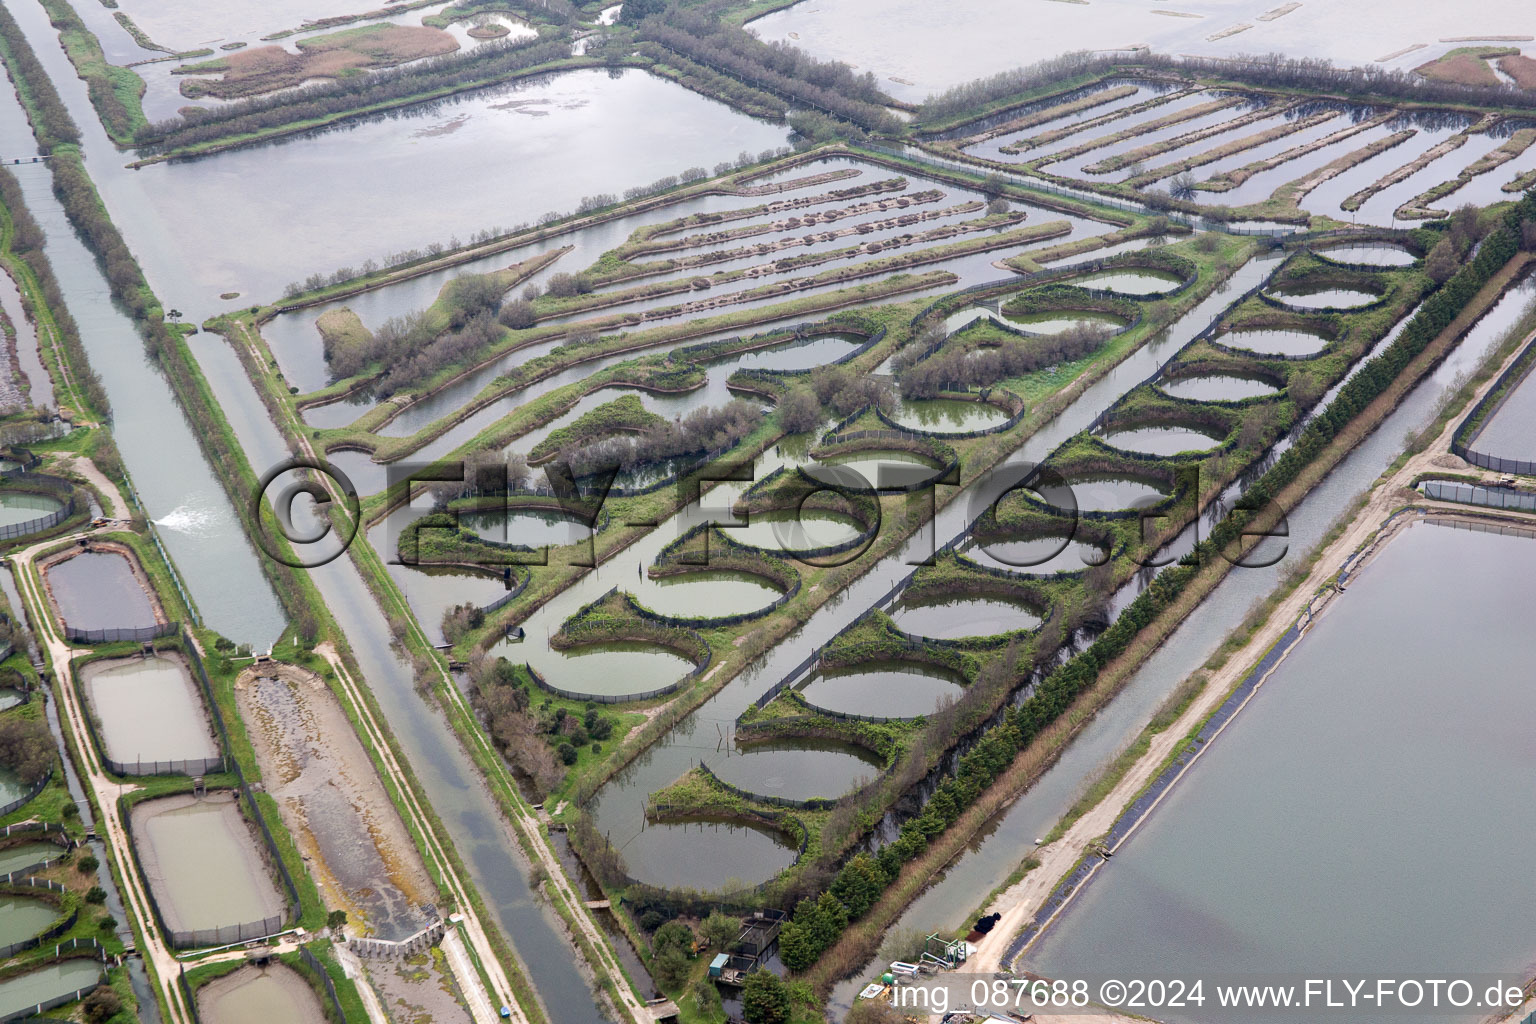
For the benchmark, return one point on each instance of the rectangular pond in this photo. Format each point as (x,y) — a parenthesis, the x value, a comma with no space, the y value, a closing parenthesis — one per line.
(148,712)
(1363,812)
(205,869)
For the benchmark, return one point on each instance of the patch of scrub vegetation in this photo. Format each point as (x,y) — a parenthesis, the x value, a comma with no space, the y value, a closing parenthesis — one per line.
(1521,68)
(337,55)
(1467,65)
(625,414)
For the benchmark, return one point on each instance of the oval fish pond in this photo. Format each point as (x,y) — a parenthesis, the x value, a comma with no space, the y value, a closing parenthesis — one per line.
(260,995)
(1060,321)
(1369,255)
(894,689)
(532,528)
(17,507)
(796,769)
(10,698)
(707,594)
(98,590)
(22,917)
(947,415)
(1101,493)
(713,856)
(1274,343)
(1323,297)
(1130,282)
(612,669)
(790,531)
(63,978)
(14,858)
(955,618)
(800,354)
(148,709)
(1217,387)
(1041,556)
(882,470)
(1161,440)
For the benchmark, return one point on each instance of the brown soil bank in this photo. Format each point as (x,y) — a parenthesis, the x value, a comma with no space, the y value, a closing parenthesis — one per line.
(268,68)
(260,995)
(332,801)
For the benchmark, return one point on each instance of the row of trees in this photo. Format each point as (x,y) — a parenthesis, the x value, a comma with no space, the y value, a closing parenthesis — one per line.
(482,64)
(705,79)
(955,368)
(827,85)
(818,922)
(27,242)
(834,390)
(55,127)
(1270,71)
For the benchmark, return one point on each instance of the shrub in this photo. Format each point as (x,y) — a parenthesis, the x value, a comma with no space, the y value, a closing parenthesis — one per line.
(102,1004)
(764,999)
(26,749)
(566,753)
(87,864)
(96,895)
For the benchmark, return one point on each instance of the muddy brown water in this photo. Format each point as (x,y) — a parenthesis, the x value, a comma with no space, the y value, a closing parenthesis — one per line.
(260,995)
(203,862)
(148,709)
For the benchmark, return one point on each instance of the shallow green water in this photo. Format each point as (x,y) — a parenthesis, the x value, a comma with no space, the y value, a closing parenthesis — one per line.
(27,990)
(1130,282)
(22,917)
(18,507)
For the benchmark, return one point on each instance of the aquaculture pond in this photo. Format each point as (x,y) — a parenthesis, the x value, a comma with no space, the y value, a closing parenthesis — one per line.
(260,995)
(1130,282)
(1322,297)
(533,528)
(791,531)
(795,769)
(954,618)
(947,415)
(883,470)
(1038,556)
(1059,321)
(1376,255)
(1511,432)
(10,698)
(1274,343)
(708,594)
(17,507)
(1217,387)
(148,709)
(801,354)
(708,855)
(203,863)
(1103,493)
(64,978)
(14,858)
(1162,440)
(608,670)
(98,590)
(893,689)
(1302,839)
(22,917)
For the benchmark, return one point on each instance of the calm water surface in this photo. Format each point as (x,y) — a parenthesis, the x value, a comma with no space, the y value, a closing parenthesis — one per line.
(1316,834)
